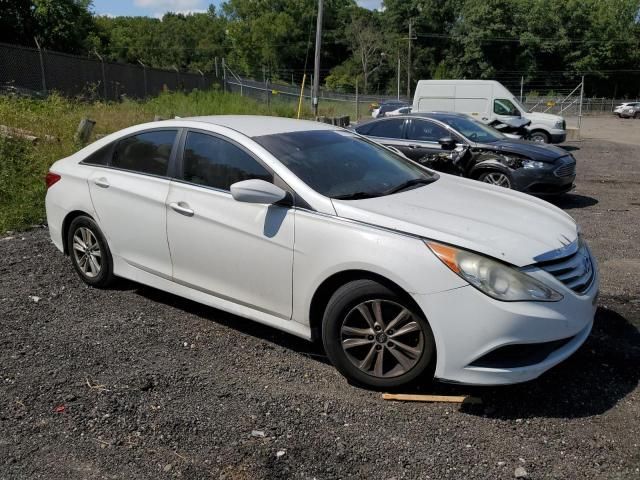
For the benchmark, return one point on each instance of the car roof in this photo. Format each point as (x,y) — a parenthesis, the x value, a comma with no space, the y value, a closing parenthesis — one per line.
(258,125)
(438,115)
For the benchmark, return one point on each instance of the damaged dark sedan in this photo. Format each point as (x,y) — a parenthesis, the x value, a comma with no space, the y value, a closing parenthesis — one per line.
(457,144)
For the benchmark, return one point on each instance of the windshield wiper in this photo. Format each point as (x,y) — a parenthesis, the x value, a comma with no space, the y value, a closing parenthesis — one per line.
(408,184)
(356,196)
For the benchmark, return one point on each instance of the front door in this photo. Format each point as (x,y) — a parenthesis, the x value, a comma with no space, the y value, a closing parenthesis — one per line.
(422,140)
(241,252)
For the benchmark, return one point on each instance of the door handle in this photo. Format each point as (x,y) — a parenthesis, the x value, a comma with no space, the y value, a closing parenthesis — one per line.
(101,182)
(414,146)
(182,208)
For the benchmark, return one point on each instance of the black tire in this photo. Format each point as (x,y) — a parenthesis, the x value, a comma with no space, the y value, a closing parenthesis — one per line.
(103,276)
(339,310)
(636,115)
(487,176)
(540,136)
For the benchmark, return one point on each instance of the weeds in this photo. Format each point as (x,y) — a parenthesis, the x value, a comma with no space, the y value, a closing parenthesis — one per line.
(24,165)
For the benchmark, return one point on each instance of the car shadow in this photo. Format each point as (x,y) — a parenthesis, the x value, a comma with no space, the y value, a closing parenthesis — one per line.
(569,201)
(243,325)
(569,148)
(592,381)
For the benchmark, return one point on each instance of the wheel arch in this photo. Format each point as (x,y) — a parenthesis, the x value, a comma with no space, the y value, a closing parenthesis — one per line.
(487,166)
(329,286)
(66,223)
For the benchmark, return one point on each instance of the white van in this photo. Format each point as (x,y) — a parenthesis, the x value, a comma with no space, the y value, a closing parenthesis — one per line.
(485,100)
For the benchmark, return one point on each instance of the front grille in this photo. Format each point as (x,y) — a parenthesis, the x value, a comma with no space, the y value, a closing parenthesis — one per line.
(576,271)
(564,125)
(566,169)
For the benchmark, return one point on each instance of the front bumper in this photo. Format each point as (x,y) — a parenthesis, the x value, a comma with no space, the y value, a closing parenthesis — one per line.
(468,325)
(558,137)
(542,181)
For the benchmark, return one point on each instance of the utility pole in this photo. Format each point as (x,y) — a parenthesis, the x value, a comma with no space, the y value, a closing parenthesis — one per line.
(409,60)
(398,75)
(521,87)
(316,66)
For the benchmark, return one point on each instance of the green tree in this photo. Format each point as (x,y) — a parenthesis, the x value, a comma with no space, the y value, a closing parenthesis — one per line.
(64,25)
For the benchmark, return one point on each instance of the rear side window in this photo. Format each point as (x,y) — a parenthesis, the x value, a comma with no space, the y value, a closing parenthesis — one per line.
(423,130)
(147,152)
(387,129)
(99,157)
(214,162)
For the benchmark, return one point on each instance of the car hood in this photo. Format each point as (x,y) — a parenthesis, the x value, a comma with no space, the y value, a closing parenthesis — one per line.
(535,151)
(543,117)
(509,226)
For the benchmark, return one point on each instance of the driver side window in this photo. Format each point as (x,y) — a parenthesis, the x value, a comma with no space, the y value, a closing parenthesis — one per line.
(425,131)
(502,106)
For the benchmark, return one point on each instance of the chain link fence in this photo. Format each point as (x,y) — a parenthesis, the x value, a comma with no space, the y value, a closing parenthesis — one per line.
(32,71)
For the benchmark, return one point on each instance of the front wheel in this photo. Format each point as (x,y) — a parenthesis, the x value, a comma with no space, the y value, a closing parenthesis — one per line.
(539,137)
(500,179)
(377,338)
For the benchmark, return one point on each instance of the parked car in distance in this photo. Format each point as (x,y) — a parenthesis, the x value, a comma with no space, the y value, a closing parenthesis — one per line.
(619,108)
(399,111)
(435,139)
(486,100)
(387,107)
(401,272)
(630,111)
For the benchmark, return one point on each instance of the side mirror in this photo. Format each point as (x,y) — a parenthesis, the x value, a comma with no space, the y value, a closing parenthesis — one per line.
(257,191)
(447,143)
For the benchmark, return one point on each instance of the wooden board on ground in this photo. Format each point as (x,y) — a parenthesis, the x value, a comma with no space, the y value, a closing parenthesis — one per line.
(403,397)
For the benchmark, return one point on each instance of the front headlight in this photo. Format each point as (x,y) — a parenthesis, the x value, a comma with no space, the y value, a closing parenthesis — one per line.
(493,278)
(559,125)
(532,164)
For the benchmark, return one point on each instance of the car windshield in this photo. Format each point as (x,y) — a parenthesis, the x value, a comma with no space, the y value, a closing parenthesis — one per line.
(343,165)
(473,130)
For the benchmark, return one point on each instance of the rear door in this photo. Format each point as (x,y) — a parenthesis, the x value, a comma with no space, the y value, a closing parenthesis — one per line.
(423,139)
(237,251)
(129,194)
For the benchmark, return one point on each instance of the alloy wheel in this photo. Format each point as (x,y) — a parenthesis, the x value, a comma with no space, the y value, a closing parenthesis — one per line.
(497,178)
(382,338)
(87,252)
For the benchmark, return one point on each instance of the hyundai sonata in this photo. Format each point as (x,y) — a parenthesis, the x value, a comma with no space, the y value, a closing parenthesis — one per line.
(403,273)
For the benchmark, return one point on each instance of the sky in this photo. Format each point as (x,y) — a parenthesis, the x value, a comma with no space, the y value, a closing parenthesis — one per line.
(157,8)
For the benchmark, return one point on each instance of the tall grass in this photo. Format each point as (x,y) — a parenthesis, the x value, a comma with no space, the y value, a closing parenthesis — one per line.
(23,165)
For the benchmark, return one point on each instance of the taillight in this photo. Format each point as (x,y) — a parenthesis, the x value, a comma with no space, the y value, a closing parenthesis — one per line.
(51,178)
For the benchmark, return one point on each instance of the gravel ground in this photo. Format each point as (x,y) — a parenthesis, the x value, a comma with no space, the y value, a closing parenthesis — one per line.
(135,383)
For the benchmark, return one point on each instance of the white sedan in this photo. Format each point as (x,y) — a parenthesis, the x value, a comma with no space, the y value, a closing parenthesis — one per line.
(403,273)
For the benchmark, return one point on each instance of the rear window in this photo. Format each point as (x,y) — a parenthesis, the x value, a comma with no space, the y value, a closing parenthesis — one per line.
(147,152)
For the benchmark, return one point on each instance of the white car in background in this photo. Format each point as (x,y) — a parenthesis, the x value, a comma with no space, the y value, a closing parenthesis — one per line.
(624,106)
(402,272)
(399,111)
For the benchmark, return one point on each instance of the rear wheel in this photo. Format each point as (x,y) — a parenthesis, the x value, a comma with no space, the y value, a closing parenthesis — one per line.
(540,137)
(89,252)
(376,337)
(495,177)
